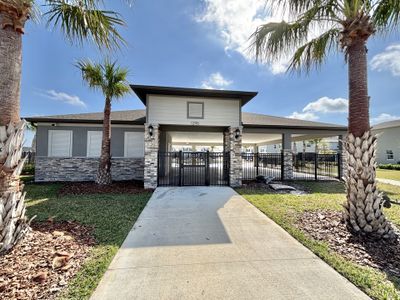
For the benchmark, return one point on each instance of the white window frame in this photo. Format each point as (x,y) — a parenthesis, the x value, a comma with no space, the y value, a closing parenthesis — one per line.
(50,142)
(88,142)
(126,145)
(391,154)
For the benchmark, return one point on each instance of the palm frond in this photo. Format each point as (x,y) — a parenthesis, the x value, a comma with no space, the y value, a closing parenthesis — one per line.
(313,53)
(83,20)
(108,77)
(387,15)
(272,40)
(92,73)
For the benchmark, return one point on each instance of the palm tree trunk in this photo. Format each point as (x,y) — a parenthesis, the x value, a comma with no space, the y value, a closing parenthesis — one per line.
(104,172)
(363,208)
(13,223)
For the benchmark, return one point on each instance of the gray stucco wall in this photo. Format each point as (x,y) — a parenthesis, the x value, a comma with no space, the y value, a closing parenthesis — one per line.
(82,168)
(388,139)
(79,139)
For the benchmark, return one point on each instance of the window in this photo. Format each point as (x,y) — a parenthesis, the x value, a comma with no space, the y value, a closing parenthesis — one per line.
(134,144)
(94,143)
(60,143)
(195,110)
(389,154)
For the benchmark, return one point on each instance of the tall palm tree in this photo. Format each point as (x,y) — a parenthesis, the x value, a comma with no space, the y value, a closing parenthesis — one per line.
(79,20)
(346,26)
(110,79)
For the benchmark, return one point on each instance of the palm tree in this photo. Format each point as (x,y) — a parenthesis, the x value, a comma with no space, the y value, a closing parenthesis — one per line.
(346,26)
(110,79)
(79,20)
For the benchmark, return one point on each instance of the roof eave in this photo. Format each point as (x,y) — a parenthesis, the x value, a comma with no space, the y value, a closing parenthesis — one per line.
(327,128)
(85,121)
(143,90)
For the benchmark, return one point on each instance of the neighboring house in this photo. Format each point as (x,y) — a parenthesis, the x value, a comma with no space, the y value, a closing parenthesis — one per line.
(330,144)
(388,151)
(145,143)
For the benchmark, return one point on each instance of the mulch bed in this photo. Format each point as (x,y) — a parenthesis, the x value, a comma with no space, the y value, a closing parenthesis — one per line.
(85,188)
(328,226)
(41,265)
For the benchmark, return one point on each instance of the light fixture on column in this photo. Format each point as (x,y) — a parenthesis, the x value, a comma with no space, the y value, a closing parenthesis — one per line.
(151,130)
(237,133)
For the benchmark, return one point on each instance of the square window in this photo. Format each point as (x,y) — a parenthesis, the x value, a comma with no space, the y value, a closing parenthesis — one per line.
(389,154)
(195,110)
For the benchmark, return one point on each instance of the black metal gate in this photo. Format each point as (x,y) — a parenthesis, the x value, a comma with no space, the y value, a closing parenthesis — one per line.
(193,168)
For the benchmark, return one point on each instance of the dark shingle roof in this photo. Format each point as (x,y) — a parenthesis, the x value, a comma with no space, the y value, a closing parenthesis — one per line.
(390,124)
(117,117)
(138,117)
(256,120)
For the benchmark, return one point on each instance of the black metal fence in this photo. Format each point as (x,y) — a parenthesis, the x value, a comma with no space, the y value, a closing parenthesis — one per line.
(193,168)
(265,164)
(212,168)
(308,166)
(313,166)
(30,157)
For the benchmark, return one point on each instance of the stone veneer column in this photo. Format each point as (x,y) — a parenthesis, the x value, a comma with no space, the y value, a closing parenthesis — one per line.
(287,156)
(287,164)
(151,147)
(343,156)
(233,145)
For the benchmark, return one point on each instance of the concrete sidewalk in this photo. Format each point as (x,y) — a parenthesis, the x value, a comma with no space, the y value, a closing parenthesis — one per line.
(210,243)
(388,181)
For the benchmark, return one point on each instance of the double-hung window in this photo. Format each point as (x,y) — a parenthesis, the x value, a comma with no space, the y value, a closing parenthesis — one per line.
(389,154)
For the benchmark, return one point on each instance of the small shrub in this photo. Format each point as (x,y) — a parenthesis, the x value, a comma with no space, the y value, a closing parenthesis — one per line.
(29,169)
(390,166)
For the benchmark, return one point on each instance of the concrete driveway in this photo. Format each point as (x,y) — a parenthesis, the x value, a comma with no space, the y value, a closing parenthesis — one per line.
(210,243)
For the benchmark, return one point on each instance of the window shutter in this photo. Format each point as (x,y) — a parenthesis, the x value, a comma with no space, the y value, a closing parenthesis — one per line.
(94,143)
(60,143)
(134,144)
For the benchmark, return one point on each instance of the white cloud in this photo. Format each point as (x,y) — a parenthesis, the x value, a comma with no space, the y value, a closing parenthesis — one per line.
(236,21)
(216,81)
(327,105)
(323,105)
(64,97)
(384,117)
(388,60)
(309,116)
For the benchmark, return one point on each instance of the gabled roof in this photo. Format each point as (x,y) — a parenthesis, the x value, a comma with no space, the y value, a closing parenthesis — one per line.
(143,90)
(390,124)
(138,117)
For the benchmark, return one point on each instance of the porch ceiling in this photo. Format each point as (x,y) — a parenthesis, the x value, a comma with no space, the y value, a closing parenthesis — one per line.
(212,138)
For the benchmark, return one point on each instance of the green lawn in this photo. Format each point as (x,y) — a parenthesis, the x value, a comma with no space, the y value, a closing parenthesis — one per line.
(111,216)
(388,174)
(284,209)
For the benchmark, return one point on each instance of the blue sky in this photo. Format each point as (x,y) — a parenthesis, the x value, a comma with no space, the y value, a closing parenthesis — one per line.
(193,43)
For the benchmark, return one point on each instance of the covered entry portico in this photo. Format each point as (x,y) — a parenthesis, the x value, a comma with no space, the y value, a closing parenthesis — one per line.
(193,156)
(198,137)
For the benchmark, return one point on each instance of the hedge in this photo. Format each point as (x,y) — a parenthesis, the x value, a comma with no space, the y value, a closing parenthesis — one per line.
(390,166)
